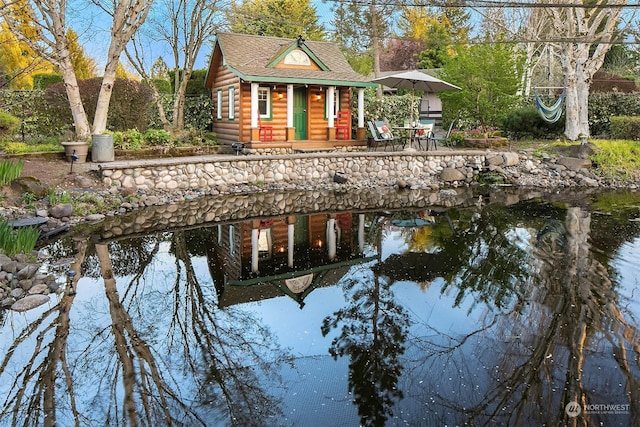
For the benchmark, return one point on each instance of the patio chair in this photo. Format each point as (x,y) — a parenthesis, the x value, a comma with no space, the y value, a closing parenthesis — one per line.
(265,132)
(446,140)
(343,125)
(381,135)
(424,132)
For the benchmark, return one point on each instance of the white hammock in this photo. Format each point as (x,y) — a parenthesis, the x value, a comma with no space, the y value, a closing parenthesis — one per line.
(549,114)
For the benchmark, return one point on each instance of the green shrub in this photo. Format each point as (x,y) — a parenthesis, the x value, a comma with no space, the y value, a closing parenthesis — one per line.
(129,140)
(19,241)
(9,171)
(163,86)
(8,124)
(44,80)
(157,137)
(625,127)
(22,147)
(46,113)
(525,122)
(130,106)
(603,106)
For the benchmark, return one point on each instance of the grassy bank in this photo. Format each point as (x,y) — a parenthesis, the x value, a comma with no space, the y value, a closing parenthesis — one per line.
(615,157)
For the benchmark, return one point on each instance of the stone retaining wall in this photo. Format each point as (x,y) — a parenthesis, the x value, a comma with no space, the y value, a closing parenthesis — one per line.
(199,172)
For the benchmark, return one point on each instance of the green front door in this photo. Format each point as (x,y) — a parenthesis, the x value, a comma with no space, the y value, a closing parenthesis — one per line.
(300,112)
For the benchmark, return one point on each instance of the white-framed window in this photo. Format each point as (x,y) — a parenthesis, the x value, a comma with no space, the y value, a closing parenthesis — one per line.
(264,102)
(265,244)
(219,104)
(232,102)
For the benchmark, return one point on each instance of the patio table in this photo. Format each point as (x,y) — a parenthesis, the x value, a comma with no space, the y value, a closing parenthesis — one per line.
(409,135)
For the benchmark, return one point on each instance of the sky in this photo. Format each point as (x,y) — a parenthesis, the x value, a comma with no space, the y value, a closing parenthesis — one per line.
(93,28)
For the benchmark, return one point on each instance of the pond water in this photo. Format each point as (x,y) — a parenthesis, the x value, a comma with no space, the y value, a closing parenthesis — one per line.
(312,309)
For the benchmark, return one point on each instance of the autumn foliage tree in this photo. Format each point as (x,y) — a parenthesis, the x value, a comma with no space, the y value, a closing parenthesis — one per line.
(439,30)
(19,62)
(401,54)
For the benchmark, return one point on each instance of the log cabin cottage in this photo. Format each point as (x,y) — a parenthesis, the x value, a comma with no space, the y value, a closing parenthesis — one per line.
(273,92)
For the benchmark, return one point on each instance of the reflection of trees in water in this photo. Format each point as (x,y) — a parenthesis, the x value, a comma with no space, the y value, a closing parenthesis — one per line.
(234,349)
(44,384)
(553,350)
(200,355)
(579,291)
(544,347)
(373,332)
(487,258)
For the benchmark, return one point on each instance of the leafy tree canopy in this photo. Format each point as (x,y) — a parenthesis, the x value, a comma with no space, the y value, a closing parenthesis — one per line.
(83,65)
(277,18)
(489,75)
(18,61)
(439,31)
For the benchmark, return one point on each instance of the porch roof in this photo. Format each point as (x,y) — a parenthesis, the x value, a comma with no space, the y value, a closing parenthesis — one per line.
(252,57)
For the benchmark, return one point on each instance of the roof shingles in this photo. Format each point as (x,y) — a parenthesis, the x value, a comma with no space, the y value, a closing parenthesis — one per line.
(249,55)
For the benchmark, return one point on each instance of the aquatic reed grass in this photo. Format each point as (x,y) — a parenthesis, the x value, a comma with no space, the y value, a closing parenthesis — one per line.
(17,241)
(9,171)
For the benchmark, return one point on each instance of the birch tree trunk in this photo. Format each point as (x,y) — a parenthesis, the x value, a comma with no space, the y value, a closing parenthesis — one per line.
(584,35)
(128,16)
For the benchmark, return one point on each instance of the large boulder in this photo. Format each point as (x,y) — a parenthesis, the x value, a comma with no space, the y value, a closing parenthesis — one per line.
(29,184)
(511,159)
(61,210)
(451,175)
(574,163)
(29,302)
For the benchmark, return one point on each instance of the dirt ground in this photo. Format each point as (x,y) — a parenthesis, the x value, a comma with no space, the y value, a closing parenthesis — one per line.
(54,174)
(58,173)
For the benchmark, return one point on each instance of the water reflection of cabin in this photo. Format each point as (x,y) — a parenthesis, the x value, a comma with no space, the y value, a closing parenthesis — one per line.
(292,255)
(272,92)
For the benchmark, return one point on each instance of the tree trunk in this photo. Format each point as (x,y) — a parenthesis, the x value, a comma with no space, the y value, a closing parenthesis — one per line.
(80,120)
(591,31)
(127,16)
(102,106)
(375,42)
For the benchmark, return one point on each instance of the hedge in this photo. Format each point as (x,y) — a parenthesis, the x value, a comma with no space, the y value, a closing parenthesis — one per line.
(625,127)
(46,113)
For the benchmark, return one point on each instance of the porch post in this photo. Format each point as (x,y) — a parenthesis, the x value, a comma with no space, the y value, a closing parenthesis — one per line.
(291,220)
(291,130)
(255,254)
(255,132)
(331,237)
(331,130)
(361,131)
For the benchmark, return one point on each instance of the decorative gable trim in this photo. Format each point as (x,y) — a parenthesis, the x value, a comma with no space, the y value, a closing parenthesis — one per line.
(279,57)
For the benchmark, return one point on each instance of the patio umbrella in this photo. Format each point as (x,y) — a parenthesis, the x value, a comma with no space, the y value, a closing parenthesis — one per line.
(415,80)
